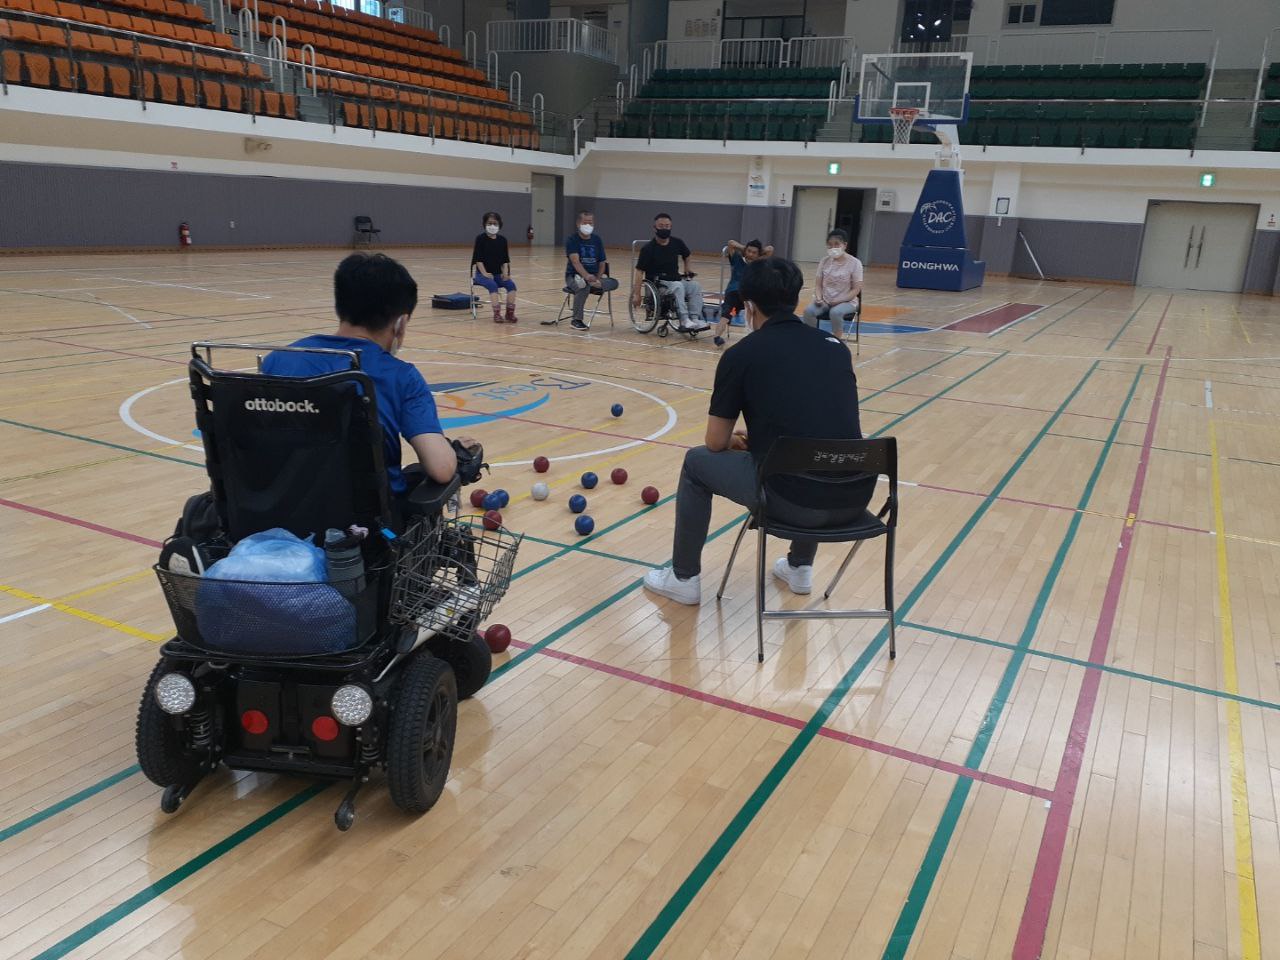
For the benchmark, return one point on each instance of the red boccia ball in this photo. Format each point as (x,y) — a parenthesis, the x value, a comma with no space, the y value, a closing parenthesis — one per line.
(492,520)
(649,495)
(541,464)
(477,497)
(619,476)
(498,637)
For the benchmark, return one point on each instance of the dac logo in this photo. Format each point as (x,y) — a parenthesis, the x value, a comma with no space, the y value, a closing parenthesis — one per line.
(938,216)
(280,406)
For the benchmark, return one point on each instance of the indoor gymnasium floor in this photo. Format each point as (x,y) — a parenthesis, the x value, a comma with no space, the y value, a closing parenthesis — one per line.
(1077,751)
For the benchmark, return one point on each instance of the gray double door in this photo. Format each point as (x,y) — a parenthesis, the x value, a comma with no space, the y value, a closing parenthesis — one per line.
(1196,246)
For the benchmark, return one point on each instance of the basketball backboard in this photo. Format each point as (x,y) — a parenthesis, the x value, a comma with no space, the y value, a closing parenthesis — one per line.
(935,83)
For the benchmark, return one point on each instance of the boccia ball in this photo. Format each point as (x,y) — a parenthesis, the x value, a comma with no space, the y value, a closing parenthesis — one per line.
(540,491)
(584,525)
(498,637)
(477,497)
(649,495)
(492,520)
(491,501)
(619,476)
(577,503)
(541,464)
(589,480)
(616,409)
(502,496)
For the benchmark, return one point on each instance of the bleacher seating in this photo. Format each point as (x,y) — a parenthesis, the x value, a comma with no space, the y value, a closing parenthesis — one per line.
(1088,81)
(1267,135)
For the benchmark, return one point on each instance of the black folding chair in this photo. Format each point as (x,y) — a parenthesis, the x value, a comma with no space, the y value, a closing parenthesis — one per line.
(840,462)
(566,306)
(366,232)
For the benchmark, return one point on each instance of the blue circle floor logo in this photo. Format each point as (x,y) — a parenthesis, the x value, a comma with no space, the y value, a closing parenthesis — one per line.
(938,216)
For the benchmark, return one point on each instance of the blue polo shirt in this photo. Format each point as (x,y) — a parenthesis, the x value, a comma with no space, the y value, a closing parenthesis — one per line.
(405,405)
(590,251)
(737,264)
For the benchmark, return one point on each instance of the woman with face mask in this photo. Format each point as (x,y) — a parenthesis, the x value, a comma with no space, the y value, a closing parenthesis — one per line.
(838,285)
(491,267)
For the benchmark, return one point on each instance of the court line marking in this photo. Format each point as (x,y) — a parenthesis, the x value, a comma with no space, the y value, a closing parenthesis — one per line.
(1034,924)
(1247,894)
(652,937)
(24,613)
(762,713)
(1124,326)
(1208,394)
(67,802)
(1156,332)
(930,865)
(1036,313)
(82,614)
(101,443)
(74,521)
(1082,303)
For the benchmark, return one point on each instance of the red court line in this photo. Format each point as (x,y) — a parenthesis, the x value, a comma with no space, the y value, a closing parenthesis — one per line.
(1155,333)
(1044,878)
(88,525)
(1010,406)
(780,718)
(995,319)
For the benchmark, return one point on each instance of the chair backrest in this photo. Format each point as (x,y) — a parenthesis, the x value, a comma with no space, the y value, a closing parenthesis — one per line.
(302,453)
(834,462)
(364,223)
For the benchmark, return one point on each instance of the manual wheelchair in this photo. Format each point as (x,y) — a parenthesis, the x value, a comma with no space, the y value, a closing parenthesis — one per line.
(657,308)
(300,677)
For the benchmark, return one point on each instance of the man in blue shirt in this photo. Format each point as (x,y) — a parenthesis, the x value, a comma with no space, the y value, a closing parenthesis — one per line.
(587,271)
(374,296)
(739,256)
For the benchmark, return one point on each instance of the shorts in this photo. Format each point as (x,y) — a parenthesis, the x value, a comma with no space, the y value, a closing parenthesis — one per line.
(732,301)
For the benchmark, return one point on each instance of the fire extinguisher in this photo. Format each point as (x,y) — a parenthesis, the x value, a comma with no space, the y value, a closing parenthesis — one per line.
(529,233)
(184,234)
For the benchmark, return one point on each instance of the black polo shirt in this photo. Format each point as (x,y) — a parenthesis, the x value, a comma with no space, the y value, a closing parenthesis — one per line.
(789,379)
(662,262)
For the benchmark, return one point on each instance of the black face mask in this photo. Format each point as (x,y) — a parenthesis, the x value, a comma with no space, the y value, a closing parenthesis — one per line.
(662,234)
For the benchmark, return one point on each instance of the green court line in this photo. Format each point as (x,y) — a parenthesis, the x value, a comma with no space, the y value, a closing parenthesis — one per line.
(656,932)
(581,545)
(1104,667)
(1124,326)
(910,376)
(909,918)
(594,553)
(118,913)
(1064,316)
(1129,443)
(924,403)
(42,815)
(101,443)
(176,876)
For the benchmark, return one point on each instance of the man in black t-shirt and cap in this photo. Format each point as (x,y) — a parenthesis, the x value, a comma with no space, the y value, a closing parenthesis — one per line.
(660,262)
(788,380)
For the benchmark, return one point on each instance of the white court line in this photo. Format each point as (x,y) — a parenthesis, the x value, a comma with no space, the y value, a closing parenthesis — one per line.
(185,286)
(25,613)
(123,313)
(1208,394)
(881,356)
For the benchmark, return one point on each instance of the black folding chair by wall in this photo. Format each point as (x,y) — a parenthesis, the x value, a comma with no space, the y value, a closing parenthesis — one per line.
(835,462)
(366,232)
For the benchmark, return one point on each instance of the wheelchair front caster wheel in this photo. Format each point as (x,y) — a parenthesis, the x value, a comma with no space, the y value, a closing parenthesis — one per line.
(172,797)
(345,816)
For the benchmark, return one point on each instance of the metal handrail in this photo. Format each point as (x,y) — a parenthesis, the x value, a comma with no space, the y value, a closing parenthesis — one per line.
(471,47)
(283,35)
(538,110)
(556,35)
(302,59)
(491,67)
(276,54)
(515,83)
(248,28)
(444,35)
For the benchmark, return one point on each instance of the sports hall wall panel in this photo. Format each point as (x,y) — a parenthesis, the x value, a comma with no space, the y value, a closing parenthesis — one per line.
(73,206)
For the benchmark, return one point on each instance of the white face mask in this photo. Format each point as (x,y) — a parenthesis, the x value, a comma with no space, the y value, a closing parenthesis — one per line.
(397,339)
(587,229)
(836,249)
(491,229)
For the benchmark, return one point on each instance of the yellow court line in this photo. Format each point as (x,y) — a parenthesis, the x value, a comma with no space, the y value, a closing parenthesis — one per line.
(82,614)
(1251,943)
(110,584)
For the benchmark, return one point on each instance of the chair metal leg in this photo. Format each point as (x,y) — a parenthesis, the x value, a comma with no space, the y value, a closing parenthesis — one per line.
(888,592)
(826,595)
(761,547)
(733,554)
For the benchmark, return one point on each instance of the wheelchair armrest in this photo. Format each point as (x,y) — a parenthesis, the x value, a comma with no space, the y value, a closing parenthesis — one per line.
(431,497)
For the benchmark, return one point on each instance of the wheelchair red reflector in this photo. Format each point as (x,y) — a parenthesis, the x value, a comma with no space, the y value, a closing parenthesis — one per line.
(324,728)
(254,722)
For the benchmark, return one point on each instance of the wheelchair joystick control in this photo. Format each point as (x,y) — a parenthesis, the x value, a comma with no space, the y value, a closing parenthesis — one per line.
(344,562)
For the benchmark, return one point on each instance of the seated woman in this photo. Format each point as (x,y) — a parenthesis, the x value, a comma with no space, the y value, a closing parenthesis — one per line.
(491,267)
(838,285)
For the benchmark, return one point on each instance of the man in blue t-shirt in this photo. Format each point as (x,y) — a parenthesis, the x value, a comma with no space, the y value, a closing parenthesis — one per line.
(739,255)
(374,296)
(587,271)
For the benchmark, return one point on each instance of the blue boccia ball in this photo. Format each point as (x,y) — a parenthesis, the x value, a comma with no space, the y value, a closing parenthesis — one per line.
(577,503)
(492,501)
(616,409)
(584,525)
(503,496)
(589,480)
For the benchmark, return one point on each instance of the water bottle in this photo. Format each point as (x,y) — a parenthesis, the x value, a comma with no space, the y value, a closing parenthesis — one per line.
(344,561)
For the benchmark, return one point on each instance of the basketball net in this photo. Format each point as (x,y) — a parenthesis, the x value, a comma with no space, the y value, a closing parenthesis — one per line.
(904,119)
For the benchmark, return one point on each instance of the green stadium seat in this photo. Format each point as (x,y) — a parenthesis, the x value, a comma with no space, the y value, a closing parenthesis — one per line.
(1025,135)
(1157,136)
(1068,135)
(1273,72)
(1153,70)
(1181,138)
(1268,139)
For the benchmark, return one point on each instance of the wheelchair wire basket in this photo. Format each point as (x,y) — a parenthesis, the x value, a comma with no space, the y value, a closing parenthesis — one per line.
(451,573)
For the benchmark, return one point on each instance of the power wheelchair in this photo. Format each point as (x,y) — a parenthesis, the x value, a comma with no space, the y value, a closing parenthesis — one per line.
(298,677)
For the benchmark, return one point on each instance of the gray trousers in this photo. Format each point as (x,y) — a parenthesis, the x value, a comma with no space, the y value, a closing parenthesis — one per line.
(732,474)
(841,313)
(581,290)
(688,294)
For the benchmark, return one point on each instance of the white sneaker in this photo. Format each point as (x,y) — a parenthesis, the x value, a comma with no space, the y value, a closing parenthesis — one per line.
(799,579)
(665,583)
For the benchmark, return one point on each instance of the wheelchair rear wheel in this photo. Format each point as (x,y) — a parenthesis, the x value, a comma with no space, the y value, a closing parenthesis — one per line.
(163,753)
(646,317)
(423,727)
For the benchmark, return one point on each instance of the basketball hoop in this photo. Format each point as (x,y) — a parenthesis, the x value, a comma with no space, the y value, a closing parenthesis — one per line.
(904,119)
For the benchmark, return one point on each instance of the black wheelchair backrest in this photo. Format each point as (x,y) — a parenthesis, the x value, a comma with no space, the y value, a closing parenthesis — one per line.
(303,453)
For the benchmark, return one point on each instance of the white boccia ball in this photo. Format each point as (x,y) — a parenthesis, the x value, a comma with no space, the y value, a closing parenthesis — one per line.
(540,491)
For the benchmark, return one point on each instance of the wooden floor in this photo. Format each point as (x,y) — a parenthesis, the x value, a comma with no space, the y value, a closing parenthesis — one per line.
(1076,753)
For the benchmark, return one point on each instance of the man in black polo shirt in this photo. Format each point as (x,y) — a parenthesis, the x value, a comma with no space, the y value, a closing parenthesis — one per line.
(664,261)
(788,379)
